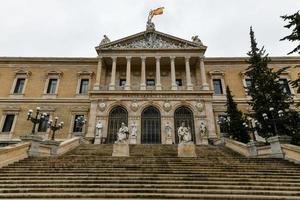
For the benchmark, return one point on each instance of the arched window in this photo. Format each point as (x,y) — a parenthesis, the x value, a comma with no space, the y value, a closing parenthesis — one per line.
(151,126)
(116,116)
(184,114)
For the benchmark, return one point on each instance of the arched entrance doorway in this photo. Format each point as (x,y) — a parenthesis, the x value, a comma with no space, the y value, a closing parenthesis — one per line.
(150,132)
(116,116)
(184,114)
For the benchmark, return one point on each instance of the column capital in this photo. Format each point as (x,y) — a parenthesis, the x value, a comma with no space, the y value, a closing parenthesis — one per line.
(157,58)
(128,58)
(114,58)
(143,57)
(187,58)
(172,57)
(100,57)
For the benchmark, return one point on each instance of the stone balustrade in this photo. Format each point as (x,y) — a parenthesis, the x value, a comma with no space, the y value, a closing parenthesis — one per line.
(13,153)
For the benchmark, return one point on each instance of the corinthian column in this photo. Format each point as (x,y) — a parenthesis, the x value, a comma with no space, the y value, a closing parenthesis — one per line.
(203,75)
(157,81)
(128,73)
(173,73)
(112,85)
(189,84)
(98,75)
(143,73)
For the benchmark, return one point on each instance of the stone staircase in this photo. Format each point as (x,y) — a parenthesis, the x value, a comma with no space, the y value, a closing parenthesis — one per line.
(151,172)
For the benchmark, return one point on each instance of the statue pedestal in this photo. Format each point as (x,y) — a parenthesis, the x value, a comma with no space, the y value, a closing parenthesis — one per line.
(169,140)
(132,140)
(120,150)
(203,140)
(35,144)
(97,140)
(186,150)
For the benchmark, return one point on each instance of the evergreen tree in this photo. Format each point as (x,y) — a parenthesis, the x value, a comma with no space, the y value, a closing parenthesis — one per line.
(267,92)
(237,130)
(293,21)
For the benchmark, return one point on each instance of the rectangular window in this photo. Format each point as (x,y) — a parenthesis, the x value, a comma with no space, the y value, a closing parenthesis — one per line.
(77,126)
(8,122)
(51,89)
(150,82)
(179,82)
(19,86)
(218,86)
(84,86)
(43,125)
(285,85)
(248,82)
(122,82)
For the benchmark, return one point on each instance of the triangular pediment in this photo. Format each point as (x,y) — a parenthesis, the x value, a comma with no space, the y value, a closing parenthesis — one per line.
(150,40)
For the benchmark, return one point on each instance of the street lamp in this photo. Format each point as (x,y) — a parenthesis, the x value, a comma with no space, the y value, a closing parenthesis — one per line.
(54,126)
(224,121)
(273,118)
(39,117)
(80,122)
(252,128)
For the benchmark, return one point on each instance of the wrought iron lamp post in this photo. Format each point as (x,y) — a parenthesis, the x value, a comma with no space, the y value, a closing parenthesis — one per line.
(39,117)
(54,126)
(252,128)
(224,121)
(273,118)
(80,122)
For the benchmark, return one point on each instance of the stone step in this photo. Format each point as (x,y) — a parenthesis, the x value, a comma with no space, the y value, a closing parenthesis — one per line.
(142,196)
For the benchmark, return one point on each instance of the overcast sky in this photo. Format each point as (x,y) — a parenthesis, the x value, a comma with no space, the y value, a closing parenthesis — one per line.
(72,28)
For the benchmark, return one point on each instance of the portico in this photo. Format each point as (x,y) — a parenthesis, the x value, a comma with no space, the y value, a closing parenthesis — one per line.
(151,79)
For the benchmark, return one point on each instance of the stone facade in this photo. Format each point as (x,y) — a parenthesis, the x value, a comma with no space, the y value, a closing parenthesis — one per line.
(134,73)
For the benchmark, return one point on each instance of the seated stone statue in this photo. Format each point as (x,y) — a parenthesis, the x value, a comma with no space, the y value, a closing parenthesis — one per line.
(184,134)
(122,135)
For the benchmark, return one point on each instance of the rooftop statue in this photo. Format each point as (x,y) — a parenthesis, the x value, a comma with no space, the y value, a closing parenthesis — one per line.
(196,40)
(105,40)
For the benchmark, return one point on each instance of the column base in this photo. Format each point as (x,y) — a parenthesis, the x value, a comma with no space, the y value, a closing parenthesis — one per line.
(127,87)
(205,86)
(169,140)
(158,87)
(174,87)
(143,87)
(96,87)
(189,87)
(97,140)
(112,87)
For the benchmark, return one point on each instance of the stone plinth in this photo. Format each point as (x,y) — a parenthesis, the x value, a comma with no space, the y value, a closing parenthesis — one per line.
(252,149)
(276,142)
(97,140)
(203,140)
(120,150)
(132,140)
(186,150)
(53,144)
(169,140)
(35,144)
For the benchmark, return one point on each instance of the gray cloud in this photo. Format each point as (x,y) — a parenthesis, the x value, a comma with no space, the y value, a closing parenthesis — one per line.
(75,27)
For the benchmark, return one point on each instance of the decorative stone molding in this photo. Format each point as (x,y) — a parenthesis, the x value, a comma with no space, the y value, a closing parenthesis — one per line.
(85,73)
(80,109)
(134,106)
(167,106)
(199,106)
(102,106)
(23,72)
(54,73)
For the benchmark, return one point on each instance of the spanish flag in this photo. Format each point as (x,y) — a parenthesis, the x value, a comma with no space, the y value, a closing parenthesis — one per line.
(157,11)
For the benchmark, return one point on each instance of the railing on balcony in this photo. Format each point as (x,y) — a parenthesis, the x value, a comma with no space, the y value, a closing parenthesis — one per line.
(136,87)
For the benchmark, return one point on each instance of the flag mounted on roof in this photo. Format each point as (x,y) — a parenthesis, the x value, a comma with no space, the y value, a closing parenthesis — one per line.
(157,11)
